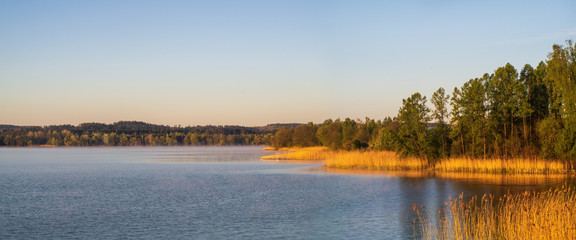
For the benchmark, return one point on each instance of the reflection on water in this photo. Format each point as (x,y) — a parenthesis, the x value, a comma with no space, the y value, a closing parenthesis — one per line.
(508,179)
(294,162)
(523,180)
(218,193)
(205,154)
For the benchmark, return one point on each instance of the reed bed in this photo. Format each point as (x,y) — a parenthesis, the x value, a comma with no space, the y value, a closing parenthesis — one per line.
(373,160)
(309,153)
(376,160)
(529,215)
(495,165)
(388,160)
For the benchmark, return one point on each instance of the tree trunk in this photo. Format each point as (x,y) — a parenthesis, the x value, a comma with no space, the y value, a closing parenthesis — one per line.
(484,156)
(474,146)
(530,127)
(525,131)
(511,124)
(505,137)
(443,143)
(462,141)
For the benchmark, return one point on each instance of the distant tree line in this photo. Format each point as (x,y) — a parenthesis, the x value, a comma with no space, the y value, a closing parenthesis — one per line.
(126,133)
(504,114)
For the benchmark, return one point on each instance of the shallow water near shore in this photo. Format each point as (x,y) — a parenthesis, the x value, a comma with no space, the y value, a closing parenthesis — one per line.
(218,193)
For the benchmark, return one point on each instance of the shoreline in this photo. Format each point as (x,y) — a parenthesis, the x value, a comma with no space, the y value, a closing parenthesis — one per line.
(387,161)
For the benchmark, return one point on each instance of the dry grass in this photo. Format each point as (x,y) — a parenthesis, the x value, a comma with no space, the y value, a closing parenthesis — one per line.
(378,160)
(530,215)
(388,160)
(310,153)
(516,165)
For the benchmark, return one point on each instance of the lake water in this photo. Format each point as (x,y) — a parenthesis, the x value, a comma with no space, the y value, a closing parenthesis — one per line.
(215,193)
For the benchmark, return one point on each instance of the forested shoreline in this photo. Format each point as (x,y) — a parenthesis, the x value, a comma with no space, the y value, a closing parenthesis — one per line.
(132,133)
(506,114)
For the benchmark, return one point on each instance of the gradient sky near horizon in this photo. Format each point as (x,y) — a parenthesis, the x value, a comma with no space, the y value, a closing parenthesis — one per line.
(255,62)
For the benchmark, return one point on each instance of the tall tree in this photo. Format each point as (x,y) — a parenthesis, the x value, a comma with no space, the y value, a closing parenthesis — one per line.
(348,133)
(456,121)
(440,113)
(561,74)
(412,134)
(537,99)
(473,111)
(502,106)
(538,94)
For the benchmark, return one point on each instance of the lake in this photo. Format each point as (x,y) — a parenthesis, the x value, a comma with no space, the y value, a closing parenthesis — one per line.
(217,193)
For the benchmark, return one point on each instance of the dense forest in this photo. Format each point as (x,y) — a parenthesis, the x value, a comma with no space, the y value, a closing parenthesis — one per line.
(126,133)
(504,114)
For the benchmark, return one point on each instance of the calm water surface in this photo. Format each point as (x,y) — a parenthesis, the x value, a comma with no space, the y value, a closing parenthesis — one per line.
(213,193)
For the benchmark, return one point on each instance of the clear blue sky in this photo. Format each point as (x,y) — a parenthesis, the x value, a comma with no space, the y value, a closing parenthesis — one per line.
(255,62)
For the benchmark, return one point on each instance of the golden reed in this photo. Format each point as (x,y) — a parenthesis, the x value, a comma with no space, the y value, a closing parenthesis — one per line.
(309,153)
(377,160)
(388,160)
(529,215)
(496,165)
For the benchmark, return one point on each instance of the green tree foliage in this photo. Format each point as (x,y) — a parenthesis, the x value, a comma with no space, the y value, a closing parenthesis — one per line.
(473,116)
(413,134)
(561,77)
(386,139)
(135,134)
(441,130)
(501,89)
(538,92)
(549,129)
(305,136)
(349,129)
(504,114)
(283,138)
(330,134)
(457,123)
